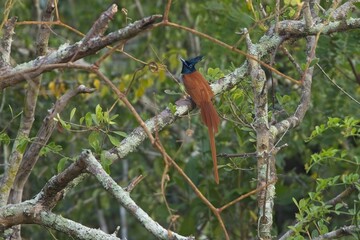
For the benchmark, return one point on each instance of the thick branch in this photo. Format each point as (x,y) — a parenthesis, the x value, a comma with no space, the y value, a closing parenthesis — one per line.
(31,211)
(71,228)
(94,167)
(74,52)
(28,116)
(100,26)
(43,35)
(296,29)
(53,190)
(342,11)
(343,231)
(5,45)
(265,164)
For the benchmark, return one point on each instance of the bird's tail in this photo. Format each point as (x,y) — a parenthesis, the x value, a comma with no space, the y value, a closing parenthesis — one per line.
(211,119)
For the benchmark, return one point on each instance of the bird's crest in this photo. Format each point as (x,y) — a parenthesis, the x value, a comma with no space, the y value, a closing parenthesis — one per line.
(189,65)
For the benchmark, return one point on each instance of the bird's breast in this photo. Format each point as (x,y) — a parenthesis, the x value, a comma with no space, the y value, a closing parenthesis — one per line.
(197,87)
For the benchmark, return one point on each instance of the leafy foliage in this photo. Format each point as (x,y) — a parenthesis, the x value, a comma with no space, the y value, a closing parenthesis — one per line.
(319,163)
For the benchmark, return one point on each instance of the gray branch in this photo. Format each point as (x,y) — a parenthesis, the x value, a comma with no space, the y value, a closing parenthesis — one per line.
(341,232)
(78,50)
(28,116)
(343,10)
(122,196)
(296,29)
(37,210)
(30,212)
(5,44)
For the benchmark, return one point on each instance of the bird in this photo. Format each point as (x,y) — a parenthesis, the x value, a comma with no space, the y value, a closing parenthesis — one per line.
(199,90)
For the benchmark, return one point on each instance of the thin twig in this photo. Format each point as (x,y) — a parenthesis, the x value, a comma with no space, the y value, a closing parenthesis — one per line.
(245,196)
(336,85)
(239,155)
(166,12)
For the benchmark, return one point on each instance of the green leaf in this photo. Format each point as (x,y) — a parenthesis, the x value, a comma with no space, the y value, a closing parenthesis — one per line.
(114,141)
(72,113)
(333,122)
(313,62)
(356,4)
(4,138)
(11,111)
(247,129)
(291,12)
(105,162)
(113,117)
(338,206)
(172,108)
(62,122)
(94,141)
(50,148)
(106,116)
(88,119)
(61,164)
(99,114)
(120,133)
(21,147)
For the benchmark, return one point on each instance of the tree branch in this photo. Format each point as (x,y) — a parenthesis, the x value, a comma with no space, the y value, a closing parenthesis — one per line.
(76,51)
(28,115)
(297,29)
(304,104)
(31,211)
(343,231)
(341,12)
(32,153)
(5,44)
(266,171)
(69,227)
(122,196)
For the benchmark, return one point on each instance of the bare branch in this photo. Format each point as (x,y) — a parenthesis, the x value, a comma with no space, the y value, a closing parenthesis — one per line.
(53,190)
(266,171)
(343,10)
(307,14)
(100,26)
(32,212)
(296,29)
(343,231)
(5,45)
(66,52)
(28,116)
(43,35)
(69,227)
(94,167)
(339,198)
(303,106)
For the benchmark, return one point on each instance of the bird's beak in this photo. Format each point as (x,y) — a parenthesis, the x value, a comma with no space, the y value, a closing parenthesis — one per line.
(182,60)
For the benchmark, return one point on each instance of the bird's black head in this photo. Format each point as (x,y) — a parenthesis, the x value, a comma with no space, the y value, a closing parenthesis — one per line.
(189,65)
